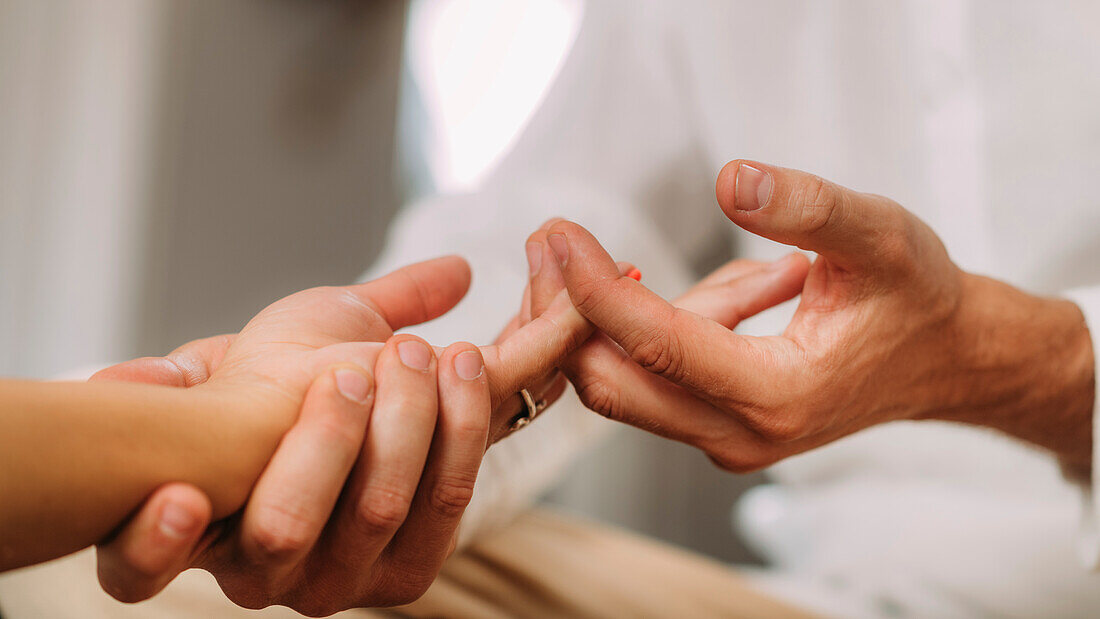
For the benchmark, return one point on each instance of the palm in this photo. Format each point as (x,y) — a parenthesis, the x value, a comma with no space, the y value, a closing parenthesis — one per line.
(293,339)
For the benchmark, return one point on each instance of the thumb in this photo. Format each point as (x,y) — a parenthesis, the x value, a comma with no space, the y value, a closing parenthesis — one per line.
(155,545)
(417,293)
(186,366)
(849,228)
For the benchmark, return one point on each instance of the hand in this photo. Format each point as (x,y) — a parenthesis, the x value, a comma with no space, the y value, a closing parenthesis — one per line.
(392,526)
(601,370)
(888,328)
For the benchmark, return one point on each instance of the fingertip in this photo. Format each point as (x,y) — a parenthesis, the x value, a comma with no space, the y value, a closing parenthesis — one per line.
(794,266)
(566,227)
(549,280)
(418,292)
(466,361)
(353,382)
(744,186)
(725,187)
(794,272)
(460,271)
(156,545)
(185,512)
(800,261)
(456,262)
(550,222)
(151,370)
(559,244)
(578,251)
(413,352)
(533,249)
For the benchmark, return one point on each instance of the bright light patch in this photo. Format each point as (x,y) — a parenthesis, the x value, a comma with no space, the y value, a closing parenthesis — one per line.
(482,68)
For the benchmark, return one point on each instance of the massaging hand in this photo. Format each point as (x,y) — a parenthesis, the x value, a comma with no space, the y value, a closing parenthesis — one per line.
(412,460)
(732,293)
(888,328)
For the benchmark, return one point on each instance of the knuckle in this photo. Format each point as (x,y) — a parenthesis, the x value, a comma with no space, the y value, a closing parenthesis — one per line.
(470,426)
(404,586)
(382,510)
(341,432)
(781,428)
(657,350)
(450,494)
(776,422)
(349,299)
(733,463)
(279,534)
(600,397)
(817,200)
(572,337)
(897,240)
(589,296)
(741,461)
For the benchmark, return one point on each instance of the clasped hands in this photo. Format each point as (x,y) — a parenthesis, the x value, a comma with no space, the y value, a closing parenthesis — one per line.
(888,328)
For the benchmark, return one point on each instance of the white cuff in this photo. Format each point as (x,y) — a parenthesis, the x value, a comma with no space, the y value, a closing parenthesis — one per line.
(1088,545)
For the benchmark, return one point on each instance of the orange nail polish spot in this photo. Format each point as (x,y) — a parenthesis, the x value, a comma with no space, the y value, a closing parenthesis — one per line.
(635,275)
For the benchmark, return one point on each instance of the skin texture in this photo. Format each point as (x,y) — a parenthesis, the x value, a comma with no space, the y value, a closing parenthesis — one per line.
(139,561)
(407,422)
(331,525)
(888,328)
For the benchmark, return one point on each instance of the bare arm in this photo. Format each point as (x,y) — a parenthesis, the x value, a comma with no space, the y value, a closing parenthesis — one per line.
(76,458)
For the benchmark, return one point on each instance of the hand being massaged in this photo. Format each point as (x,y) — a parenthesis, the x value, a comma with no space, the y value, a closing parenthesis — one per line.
(360,503)
(359,507)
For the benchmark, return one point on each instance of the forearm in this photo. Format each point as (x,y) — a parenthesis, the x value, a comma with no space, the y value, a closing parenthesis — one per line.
(1029,370)
(76,458)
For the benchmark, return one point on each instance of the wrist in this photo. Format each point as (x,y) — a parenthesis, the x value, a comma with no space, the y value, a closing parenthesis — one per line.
(245,427)
(1023,365)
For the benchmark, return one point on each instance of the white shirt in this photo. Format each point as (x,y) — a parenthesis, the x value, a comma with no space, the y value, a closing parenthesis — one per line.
(979,117)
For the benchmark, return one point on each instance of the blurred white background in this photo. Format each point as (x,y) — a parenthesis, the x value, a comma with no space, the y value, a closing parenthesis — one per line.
(168,168)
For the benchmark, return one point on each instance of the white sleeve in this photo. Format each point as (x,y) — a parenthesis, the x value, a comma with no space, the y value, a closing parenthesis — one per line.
(1088,299)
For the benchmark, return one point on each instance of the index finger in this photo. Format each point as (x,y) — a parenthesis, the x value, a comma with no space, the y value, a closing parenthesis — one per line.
(534,350)
(678,345)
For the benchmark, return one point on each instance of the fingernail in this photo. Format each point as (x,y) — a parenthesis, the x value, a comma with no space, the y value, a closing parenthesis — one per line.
(468,365)
(753,189)
(560,247)
(414,354)
(176,521)
(534,257)
(353,385)
(635,275)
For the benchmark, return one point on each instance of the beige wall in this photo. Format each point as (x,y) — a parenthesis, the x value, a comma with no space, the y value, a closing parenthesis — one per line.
(274,157)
